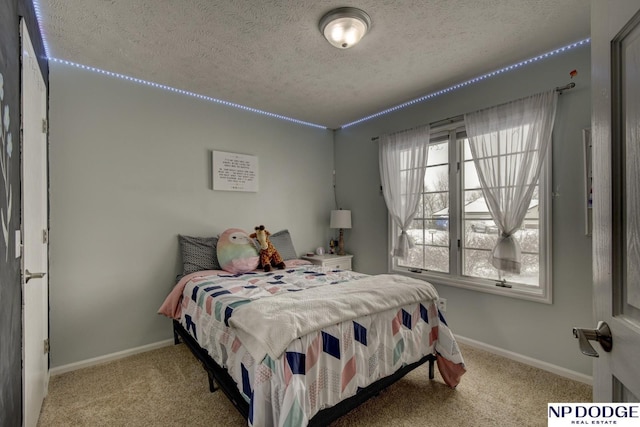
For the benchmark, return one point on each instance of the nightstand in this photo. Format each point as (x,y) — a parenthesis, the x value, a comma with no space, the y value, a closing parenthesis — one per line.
(332,262)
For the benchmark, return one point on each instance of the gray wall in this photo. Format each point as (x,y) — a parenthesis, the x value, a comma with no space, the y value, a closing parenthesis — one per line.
(10,282)
(532,329)
(130,170)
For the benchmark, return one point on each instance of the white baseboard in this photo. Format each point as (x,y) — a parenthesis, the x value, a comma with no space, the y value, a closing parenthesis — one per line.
(108,357)
(563,372)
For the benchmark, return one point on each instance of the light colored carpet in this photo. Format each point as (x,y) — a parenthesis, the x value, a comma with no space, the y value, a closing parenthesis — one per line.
(168,387)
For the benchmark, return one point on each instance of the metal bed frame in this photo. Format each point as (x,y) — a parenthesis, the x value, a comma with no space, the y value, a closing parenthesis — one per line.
(219,376)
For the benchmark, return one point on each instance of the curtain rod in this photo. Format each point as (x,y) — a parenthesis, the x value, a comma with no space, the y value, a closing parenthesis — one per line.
(568,86)
(454,119)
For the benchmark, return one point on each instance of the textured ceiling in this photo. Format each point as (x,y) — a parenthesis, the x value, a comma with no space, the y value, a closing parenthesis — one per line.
(270,55)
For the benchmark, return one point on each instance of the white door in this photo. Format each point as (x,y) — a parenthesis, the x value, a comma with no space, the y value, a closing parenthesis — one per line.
(34,233)
(615,127)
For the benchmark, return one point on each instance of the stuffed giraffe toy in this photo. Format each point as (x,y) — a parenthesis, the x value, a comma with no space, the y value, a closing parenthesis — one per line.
(269,255)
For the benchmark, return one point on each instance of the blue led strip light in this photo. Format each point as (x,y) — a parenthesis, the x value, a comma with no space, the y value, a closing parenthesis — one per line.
(469,82)
(37,10)
(185,92)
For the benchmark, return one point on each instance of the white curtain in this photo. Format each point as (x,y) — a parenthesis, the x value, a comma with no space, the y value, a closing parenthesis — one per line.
(508,144)
(403,160)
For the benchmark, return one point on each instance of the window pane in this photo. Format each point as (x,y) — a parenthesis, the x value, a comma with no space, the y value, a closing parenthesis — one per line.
(470,196)
(529,239)
(415,259)
(479,243)
(470,176)
(467,151)
(476,264)
(437,236)
(475,206)
(480,232)
(438,154)
(436,205)
(436,179)
(416,232)
(530,273)
(420,213)
(431,240)
(430,227)
(427,257)
(436,258)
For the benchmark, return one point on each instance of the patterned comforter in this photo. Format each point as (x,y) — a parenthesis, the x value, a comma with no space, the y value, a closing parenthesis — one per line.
(322,367)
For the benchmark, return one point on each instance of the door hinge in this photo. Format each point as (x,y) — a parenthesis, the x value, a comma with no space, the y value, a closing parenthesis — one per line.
(46,346)
(45,236)
(45,126)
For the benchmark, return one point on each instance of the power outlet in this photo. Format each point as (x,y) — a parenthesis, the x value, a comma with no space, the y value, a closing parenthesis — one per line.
(442,304)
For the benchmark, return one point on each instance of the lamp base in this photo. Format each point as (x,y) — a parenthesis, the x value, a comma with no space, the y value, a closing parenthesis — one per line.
(341,243)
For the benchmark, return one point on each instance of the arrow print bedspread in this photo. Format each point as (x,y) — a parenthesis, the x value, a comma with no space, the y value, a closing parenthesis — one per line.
(326,361)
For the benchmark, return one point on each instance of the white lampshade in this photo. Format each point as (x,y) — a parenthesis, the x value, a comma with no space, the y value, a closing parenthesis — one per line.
(340,219)
(345,26)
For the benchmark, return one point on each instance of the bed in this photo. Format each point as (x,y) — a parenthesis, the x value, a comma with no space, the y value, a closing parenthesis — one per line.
(303,345)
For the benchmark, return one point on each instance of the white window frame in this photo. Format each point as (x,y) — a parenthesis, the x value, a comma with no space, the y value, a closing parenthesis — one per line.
(544,291)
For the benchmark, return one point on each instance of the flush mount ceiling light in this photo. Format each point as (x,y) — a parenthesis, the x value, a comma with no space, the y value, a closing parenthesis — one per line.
(345,26)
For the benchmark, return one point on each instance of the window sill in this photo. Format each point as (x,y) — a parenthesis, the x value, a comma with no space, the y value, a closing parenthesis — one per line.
(480,285)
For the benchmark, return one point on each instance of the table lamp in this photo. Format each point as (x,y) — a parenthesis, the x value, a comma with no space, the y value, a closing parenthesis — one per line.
(340,219)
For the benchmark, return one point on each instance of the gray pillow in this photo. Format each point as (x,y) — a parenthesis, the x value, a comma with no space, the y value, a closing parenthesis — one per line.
(282,242)
(198,253)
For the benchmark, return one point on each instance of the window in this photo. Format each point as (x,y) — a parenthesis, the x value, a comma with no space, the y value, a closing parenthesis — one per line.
(453,231)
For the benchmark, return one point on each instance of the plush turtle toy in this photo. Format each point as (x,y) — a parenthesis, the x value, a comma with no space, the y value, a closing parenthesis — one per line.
(269,255)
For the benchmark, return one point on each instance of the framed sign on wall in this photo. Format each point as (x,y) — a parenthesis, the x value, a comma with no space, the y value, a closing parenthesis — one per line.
(234,172)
